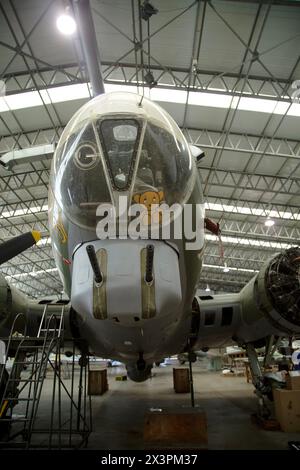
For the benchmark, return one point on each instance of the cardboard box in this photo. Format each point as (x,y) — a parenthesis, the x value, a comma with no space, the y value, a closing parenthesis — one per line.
(287,409)
(293,380)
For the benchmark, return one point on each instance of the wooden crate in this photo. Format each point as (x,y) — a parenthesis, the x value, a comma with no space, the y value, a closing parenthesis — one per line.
(287,409)
(181,380)
(180,426)
(97,382)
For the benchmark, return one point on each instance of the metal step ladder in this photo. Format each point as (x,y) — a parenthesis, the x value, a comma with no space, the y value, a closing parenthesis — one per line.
(25,381)
(45,324)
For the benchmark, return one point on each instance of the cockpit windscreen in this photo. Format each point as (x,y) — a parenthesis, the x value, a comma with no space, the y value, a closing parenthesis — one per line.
(119,139)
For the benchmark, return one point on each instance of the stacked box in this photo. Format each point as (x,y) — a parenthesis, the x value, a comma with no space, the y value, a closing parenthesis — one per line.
(287,408)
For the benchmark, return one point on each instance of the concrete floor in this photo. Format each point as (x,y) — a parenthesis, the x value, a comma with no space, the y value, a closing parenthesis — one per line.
(118,415)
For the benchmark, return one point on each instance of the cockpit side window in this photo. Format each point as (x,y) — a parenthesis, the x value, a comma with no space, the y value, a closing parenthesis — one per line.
(79,182)
(164,166)
(119,140)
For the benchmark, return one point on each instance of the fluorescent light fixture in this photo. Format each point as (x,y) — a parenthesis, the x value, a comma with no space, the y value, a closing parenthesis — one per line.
(31,274)
(66,24)
(263,106)
(21,100)
(215,266)
(226,269)
(44,241)
(121,87)
(251,242)
(259,105)
(294,110)
(172,96)
(65,93)
(251,211)
(24,212)
(269,222)
(32,99)
(212,100)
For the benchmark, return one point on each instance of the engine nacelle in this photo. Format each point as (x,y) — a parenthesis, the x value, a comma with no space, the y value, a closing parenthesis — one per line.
(14,302)
(282,283)
(270,303)
(5,301)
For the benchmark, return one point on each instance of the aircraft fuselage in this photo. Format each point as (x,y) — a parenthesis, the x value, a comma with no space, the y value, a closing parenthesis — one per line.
(124,182)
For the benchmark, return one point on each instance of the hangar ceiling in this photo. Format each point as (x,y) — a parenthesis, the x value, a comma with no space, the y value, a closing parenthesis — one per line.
(223,69)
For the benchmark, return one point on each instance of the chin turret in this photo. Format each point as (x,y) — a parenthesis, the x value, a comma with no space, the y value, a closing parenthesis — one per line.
(139,373)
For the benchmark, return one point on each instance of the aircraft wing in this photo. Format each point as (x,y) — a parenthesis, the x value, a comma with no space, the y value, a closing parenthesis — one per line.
(15,307)
(268,305)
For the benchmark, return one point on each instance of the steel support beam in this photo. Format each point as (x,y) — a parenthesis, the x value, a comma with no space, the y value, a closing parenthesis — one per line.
(204,138)
(259,183)
(130,74)
(282,211)
(243,142)
(89,43)
(26,155)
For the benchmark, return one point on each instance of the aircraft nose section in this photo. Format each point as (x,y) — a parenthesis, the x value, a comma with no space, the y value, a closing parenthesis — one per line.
(125,281)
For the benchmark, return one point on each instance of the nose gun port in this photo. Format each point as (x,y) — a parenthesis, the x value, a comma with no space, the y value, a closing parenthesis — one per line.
(149,263)
(94,264)
(125,281)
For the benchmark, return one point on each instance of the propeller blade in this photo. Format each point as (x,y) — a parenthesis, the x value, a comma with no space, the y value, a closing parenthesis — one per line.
(17,245)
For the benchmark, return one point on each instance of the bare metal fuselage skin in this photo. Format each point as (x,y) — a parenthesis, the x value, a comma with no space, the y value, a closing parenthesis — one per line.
(116,146)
